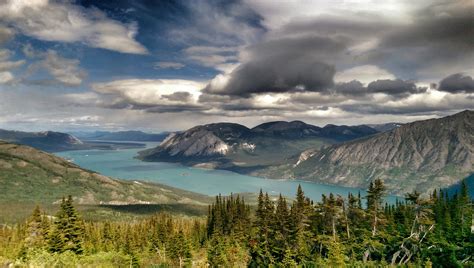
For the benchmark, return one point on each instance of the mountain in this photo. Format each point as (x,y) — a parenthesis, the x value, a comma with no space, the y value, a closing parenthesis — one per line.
(131,135)
(32,176)
(236,147)
(346,133)
(384,127)
(422,155)
(51,141)
(298,129)
(47,140)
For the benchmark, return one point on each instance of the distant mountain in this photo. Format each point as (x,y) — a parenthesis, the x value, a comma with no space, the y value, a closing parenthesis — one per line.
(32,176)
(236,147)
(47,140)
(298,129)
(51,141)
(131,135)
(422,155)
(384,127)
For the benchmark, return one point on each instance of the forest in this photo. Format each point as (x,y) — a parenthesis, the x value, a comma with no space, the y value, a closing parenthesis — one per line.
(351,231)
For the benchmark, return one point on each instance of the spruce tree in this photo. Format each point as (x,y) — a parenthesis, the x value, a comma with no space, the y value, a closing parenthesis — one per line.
(375,194)
(67,229)
(37,230)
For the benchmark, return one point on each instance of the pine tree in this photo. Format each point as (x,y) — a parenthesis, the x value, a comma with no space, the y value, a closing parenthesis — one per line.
(374,202)
(281,229)
(336,255)
(67,229)
(180,249)
(37,230)
(301,214)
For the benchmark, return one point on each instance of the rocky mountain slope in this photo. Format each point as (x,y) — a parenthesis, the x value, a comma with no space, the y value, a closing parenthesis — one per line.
(28,175)
(422,155)
(236,147)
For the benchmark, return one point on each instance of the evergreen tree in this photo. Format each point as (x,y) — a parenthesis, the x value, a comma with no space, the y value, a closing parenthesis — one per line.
(67,229)
(37,230)
(180,249)
(374,202)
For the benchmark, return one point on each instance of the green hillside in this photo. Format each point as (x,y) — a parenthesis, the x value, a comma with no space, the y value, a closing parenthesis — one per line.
(29,176)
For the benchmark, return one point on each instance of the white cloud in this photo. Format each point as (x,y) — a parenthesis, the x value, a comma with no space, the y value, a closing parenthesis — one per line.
(63,70)
(66,22)
(6,66)
(6,77)
(277,14)
(364,74)
(152,95)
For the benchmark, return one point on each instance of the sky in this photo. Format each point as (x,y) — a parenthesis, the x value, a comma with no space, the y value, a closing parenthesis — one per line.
(170,65)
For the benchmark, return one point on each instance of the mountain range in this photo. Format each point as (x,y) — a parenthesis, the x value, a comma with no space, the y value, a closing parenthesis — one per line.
(130,135)
(236,147)
(421,156)
(51,141)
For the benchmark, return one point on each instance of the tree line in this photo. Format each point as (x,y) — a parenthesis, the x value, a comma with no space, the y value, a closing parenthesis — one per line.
(422,231)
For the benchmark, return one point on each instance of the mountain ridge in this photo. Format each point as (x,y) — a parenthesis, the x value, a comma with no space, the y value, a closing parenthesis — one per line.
(424,155)
(237,147)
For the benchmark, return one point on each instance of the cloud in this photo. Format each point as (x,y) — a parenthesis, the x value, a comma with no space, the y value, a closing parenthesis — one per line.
(214,30)
(276,16)
(288,64)
(394,87)
(6,34)
(220,58)
(7,66)
(364,74)
(64,71)
(217,23)
(178,96)
(168,65)
(150,95)
(6,77)
(428,103)
(457,83)
(437,39)
(352,88)
(66,22)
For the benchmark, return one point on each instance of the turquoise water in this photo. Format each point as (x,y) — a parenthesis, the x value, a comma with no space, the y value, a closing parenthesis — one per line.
(122,164)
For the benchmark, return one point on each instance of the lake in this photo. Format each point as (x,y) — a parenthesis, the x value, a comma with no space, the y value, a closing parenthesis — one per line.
(122,164)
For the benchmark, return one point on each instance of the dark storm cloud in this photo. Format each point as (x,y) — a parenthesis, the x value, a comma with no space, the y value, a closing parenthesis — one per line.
(440,38)
(457,83)
(450,23)
(394,87)
(288,64)
(352,88)
(348,28)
